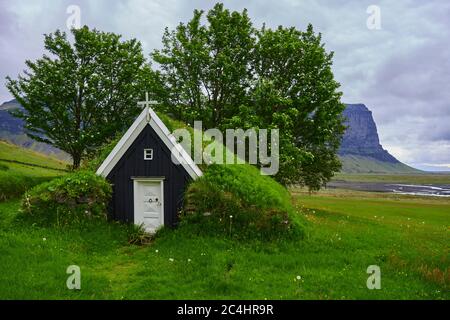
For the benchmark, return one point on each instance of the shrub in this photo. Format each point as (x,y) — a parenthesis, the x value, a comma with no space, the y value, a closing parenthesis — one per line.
(237,201)
(74,198)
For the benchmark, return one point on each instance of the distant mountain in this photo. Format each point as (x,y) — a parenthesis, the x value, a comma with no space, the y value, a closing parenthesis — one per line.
(12,130)
(361,151)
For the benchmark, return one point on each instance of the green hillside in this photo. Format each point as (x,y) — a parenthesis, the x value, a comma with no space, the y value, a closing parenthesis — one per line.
(38,147)
(29,161)
(21,169)
(361,164)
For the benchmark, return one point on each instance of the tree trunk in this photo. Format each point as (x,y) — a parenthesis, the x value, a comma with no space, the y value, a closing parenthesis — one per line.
(76,160)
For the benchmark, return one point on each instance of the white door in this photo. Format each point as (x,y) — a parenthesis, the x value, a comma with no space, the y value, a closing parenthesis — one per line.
(149,204)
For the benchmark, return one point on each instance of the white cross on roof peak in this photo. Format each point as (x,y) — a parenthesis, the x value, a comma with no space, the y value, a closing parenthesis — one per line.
(146,105)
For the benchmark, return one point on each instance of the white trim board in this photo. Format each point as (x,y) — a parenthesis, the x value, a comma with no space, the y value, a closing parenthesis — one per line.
(162,132)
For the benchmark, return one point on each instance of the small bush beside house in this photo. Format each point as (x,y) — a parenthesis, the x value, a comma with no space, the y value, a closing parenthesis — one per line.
(74,198)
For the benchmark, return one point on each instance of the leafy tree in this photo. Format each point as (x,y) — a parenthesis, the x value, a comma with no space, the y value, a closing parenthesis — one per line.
(81,93)
(229,74)
(296,91)
(205,69)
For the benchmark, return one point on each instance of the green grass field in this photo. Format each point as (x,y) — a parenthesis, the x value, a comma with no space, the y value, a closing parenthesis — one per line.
(407,237)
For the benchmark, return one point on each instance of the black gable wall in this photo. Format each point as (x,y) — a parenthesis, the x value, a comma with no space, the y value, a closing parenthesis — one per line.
(133,164)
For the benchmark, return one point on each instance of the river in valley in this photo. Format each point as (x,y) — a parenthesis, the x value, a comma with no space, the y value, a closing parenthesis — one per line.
(436,190)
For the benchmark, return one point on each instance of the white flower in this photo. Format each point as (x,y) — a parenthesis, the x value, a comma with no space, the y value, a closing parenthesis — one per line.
(231,217)
(299,278)
(44,239)
(189,260)
(171,259)
(156,250)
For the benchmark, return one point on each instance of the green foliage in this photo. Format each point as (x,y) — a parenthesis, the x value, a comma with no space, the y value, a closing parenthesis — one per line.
(95,160)
(229,74)
(205,70)
(3,167)
(74,198)
(80,94)
(235,200)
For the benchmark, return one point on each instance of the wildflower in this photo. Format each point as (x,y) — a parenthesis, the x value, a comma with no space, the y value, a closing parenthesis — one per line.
(171,259)
(189,260)
(298,278)
(44,239)
(156,250)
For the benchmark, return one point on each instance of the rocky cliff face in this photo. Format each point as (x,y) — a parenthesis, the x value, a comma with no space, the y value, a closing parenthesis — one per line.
(361,136)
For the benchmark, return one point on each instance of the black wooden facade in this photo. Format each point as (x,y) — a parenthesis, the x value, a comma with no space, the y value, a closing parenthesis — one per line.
(132,165)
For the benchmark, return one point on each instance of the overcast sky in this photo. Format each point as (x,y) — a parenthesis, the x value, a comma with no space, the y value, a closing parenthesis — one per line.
(401,71)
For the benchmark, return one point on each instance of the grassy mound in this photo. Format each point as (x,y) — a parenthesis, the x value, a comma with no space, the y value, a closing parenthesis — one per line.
(74,198)
(236,200)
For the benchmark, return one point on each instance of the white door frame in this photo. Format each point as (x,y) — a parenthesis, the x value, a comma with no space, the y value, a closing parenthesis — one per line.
(136,181)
